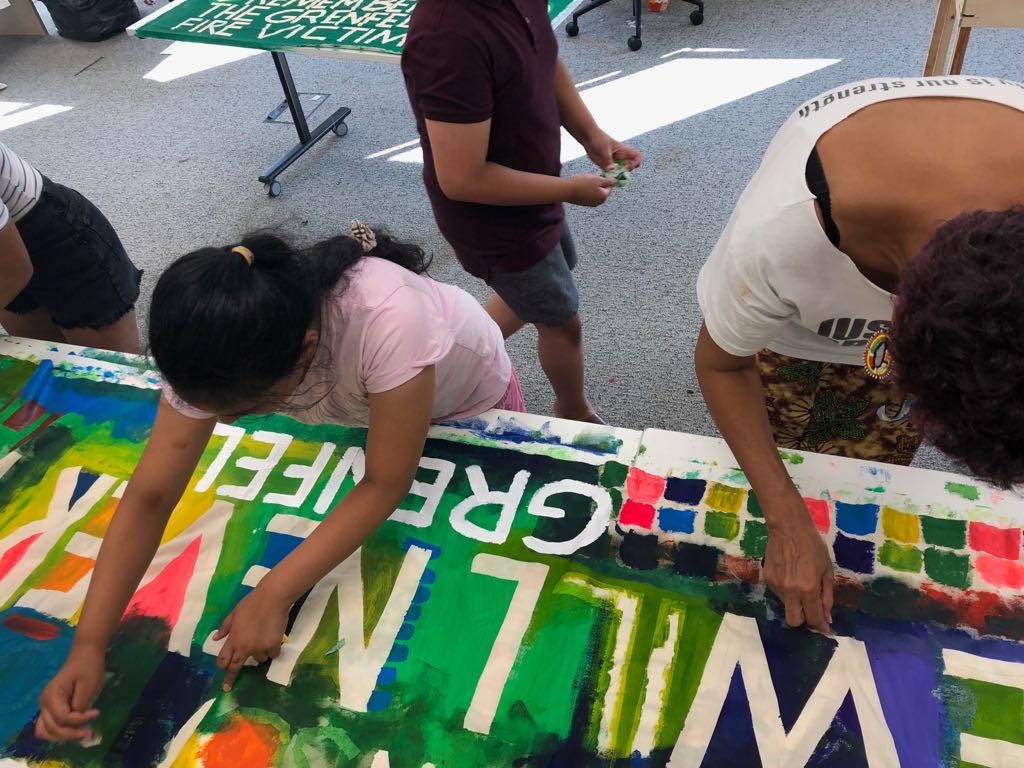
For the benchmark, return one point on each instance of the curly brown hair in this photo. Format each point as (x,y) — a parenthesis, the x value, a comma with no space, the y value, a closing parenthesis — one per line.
(957,342)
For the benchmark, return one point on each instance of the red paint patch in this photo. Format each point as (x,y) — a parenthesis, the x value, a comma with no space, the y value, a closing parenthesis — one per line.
(1000,573)
(241,742)
(635,513)
(165,594)
(25,415)
(13,555)
(644,487)
(745,569)
(819,514)
(1001,542)
(971,609)
(37,629)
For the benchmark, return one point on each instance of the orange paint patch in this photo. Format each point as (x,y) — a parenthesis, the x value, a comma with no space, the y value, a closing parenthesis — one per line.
(13,555)
(241,742)
(97,525)
(68,571)
(745,569)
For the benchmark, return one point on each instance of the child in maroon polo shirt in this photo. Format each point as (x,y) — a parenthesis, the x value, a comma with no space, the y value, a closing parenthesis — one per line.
(490,96)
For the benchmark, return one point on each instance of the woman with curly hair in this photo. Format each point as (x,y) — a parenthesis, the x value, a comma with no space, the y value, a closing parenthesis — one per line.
(863,206)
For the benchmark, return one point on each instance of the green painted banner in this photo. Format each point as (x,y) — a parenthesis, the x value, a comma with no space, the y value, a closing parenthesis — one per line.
(360,28)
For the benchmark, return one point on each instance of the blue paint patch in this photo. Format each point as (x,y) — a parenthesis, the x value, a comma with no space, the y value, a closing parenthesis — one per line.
(429,577)
(405,632)
(858,519)
(279,546)
(855,555)
(676,520)
(421,596)
(379,701)
(685,490)
(83,484)
(387,676)
(594,441)
(413,613)
(399,653)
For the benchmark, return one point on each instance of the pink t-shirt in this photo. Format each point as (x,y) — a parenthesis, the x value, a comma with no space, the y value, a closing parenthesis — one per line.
(387,325)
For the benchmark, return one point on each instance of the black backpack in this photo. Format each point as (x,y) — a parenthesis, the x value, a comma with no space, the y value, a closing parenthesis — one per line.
(92,20)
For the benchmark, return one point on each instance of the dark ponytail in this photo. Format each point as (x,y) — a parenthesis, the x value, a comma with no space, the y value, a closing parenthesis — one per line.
(223,332)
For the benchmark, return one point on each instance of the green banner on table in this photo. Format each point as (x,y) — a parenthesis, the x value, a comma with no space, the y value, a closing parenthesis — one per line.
(367,28)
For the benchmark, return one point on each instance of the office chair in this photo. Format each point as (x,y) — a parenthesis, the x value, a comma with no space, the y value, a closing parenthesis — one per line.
(573,28)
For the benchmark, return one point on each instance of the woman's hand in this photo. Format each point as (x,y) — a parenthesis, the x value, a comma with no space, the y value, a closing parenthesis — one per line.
(798,569)
(65,703)
(254,628)
(603,150)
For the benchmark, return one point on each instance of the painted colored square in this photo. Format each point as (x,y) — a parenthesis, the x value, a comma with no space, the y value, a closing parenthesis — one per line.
(944,532)
(1001,542)
(685,490)
(902,526)
(858,519)
(900,558)
(613,474)
(998,711)
(695,560)
(999,572)
(820,514)
(949,568)
(66,572)
(725,498)
(753,505)
(755,539)
(676,520)
(854,554)
(635,513)
(644,487)
(721,525)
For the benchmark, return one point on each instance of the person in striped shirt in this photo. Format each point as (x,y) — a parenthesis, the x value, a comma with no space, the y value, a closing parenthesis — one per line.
(64,274)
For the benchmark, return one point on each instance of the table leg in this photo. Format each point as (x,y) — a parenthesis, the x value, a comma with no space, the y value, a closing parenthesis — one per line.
(946,17)
(960,51)
(307,138)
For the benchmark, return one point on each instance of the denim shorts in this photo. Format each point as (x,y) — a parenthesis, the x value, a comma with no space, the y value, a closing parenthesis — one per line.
(81,274)
(545,293)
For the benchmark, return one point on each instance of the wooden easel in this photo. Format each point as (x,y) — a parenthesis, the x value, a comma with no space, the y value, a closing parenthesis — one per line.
(961,16)
(21,18)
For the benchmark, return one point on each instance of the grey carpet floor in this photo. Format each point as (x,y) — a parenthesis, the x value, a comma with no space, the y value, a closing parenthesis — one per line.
(173,164)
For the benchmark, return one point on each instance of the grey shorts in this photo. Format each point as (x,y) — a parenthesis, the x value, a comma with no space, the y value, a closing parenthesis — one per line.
(544,294)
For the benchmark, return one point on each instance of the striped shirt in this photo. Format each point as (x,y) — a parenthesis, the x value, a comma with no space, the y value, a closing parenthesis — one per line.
(20,186)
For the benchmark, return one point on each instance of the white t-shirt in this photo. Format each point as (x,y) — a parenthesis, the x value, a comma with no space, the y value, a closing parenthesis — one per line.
(774,279)
(384,328)
(20,186)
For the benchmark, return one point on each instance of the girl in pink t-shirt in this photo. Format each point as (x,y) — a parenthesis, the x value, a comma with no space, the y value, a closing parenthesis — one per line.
(349,331)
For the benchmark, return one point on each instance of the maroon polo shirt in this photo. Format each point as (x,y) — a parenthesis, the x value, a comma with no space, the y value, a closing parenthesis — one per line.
(466,61)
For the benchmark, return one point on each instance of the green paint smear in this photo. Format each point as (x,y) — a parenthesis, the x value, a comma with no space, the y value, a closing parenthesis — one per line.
(944,532)
(899,557)
(791,457)
(968,492)
(721,525)
(876,489)
(755,539)
(754,506)
(998,711)
(948,568)
(613,474)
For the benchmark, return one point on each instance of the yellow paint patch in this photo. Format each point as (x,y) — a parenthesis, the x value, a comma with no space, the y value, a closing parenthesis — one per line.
(725,498)
(901,526)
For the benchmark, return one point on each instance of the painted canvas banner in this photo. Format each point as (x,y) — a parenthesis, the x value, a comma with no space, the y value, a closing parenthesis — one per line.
(358,28)
(549,593)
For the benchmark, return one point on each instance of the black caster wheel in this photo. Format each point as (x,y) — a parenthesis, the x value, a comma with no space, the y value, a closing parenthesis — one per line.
(697,18)
(572,29)
(340,128)
(273,188)
(634,43)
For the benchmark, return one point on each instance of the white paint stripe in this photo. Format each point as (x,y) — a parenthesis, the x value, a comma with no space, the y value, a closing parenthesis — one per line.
(529,578)
(702,50)
(971,667)
(991,753)
(8,461)
(292,525)
(31,115)
(389,150)
(659,672)
(184,734)
(254,575)
(84,545)
(599,79)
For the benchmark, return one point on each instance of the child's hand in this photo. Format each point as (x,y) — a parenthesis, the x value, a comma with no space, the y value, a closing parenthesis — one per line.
(603,150)
(589,189)
(255,628)
(64,713)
